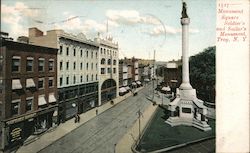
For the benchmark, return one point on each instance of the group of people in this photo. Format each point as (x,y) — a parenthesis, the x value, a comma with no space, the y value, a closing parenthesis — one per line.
(77,118)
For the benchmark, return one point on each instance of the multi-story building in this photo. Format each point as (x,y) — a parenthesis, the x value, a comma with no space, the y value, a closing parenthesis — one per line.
(123,78)
(108,70)
(78,69)
(28,86)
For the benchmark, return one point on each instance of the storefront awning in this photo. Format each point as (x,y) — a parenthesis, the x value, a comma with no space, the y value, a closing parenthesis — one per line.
(16,84)
(166,88)
(138,82)
(127,88)
(30,83)
(52,98)
(41,101)
(134,84)
(147,80)
(174,81)
(122,89)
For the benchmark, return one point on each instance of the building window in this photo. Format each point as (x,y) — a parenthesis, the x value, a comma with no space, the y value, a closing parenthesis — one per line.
(67,65)
(109,61)
(109,70)
(87,78)
(114,70)
(40,83)
(81,78)
(29,102)
(29,64)
(103,61)
(51,82)
(74,52)
(67,80)
(15,107)
(87,66)
(96,77)
(87,53)
(101,50)
(96,55)
(74,79)
(61,65)
(104,50)
(16,63)
(114,62)
(61,81)
(74,65)
(102,70)
(81,66)
(41,64)
(96,66)
(92,77)
(92,54)
(61,49)
(81,52)
(92,66)
(51,65)
(67,51)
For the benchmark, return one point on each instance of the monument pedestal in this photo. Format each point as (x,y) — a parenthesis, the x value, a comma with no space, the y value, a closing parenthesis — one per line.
(187,109)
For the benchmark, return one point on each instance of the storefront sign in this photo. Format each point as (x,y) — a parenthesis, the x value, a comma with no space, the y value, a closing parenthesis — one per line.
(16,134)
(21,119)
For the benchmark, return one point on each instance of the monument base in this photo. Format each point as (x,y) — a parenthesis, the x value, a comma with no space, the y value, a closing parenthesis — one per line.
(188,110)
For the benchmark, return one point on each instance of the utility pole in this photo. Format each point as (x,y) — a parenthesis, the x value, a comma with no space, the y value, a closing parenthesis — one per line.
(139,117)
(153,77)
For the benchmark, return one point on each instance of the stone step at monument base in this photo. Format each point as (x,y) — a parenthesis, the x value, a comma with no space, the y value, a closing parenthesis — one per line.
(176,121)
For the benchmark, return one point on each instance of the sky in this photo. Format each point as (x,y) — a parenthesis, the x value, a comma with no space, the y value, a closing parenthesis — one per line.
(139,27)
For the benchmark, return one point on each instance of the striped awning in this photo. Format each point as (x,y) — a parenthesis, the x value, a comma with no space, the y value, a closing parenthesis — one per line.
(16,84)
(30,83)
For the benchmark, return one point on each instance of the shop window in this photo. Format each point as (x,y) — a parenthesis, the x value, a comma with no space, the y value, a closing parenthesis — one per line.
(186,110)
(41,64)
(29,64)
(16,63)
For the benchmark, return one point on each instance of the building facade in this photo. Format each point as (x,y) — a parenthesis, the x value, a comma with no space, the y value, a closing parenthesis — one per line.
(28,99)
(108,70)
(78,61)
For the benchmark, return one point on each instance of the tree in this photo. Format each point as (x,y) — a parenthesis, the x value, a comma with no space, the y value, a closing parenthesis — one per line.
(202,74)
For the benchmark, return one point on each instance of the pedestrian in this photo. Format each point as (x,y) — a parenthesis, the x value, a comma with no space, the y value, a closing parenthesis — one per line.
(78,118)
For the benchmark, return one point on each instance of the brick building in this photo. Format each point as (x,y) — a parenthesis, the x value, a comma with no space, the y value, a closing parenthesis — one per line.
(28,99)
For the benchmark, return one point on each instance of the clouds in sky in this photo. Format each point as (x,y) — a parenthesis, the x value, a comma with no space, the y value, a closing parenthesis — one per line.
(14,16)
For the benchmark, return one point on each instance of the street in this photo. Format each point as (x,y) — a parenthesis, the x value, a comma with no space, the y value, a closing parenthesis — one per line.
(100,134)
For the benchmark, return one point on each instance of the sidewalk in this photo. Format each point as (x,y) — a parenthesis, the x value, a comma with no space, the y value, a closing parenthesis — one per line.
(63,129)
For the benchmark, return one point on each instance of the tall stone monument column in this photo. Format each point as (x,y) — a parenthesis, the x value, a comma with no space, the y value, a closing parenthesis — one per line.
(185,41)
(190,110)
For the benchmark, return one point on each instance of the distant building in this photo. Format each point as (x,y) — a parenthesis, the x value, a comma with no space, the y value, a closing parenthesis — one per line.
(78,68)
(28,87)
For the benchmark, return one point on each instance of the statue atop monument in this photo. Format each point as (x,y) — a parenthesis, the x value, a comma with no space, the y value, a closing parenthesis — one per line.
(184,10)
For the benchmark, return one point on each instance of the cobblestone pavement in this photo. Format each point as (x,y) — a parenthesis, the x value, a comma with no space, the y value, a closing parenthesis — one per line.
(100,134)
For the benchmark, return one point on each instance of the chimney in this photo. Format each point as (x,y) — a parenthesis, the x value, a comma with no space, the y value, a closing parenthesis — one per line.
(34,32)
